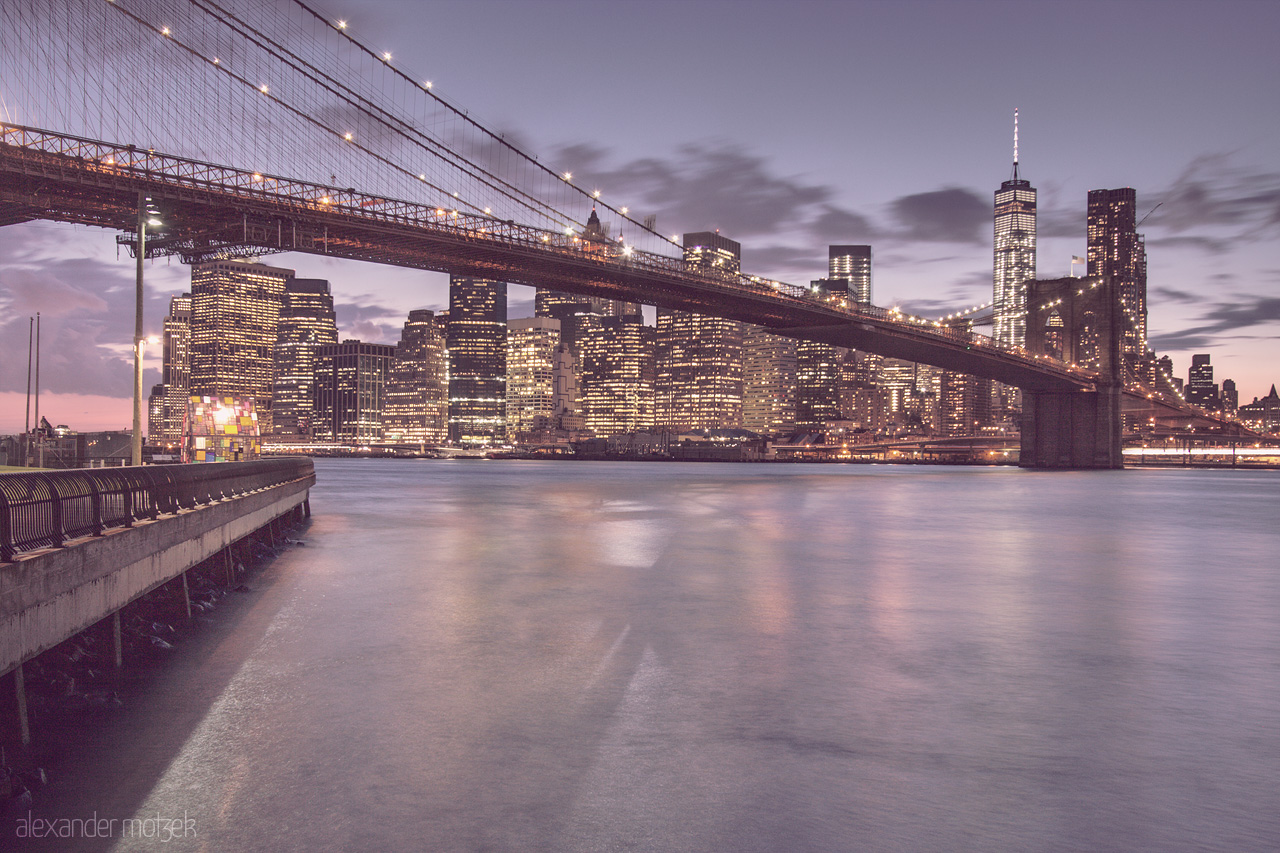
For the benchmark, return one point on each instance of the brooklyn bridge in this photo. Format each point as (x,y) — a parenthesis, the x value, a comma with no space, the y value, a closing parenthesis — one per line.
(262,130)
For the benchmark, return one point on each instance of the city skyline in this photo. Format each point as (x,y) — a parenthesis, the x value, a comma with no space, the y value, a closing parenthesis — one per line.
(911,172)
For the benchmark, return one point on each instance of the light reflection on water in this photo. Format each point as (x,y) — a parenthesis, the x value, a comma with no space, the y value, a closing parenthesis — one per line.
(596,656)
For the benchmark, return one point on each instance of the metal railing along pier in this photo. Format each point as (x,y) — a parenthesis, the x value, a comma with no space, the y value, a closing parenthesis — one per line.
(46,508)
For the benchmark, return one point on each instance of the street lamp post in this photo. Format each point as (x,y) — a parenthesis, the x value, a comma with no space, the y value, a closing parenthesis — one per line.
(140,251)
(145,217)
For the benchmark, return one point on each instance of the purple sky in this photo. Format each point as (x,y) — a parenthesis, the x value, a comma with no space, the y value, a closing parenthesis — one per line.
(789,126)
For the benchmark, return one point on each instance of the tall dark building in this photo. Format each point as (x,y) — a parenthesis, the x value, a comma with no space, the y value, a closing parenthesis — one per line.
(307,322)
(1117,250)
(699,379)
(852,264)
(1201,390)
(817,385)
(1230,397)
(350,391)
(477,342)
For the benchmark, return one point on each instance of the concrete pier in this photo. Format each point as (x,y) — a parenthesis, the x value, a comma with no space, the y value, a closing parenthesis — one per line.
(51,595)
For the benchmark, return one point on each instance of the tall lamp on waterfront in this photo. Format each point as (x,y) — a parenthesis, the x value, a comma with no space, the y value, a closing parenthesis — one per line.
(147,215)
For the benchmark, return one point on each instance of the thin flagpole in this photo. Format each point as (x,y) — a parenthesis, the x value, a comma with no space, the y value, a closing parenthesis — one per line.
(26,433)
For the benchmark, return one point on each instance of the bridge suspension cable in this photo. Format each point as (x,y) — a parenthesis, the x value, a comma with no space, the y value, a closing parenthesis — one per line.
(288,90)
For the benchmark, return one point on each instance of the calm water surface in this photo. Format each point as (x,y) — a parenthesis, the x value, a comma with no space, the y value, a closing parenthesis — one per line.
(506,656)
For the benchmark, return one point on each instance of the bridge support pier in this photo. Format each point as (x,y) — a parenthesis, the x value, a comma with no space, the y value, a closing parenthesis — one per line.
(117,641)
(1080,429)
(20,698)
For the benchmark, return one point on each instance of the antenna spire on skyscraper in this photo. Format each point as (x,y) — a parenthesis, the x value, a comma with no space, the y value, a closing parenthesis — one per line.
(1015,143)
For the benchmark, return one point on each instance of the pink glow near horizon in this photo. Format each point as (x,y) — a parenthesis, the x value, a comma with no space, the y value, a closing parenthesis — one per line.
(80,412)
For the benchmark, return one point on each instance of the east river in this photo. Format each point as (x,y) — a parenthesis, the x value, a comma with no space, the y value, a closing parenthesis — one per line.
(552,656)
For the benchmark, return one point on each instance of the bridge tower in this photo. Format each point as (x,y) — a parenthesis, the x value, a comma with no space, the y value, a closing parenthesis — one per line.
(1077,320)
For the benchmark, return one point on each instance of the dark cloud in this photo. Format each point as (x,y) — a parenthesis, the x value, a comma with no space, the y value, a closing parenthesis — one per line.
(793,264)
(1244,311)
(949,215)
(968,291)
(1212,191)
(1223,319)
(1169,294)
(1212,245)
(1187,339)
(835,225)
(1064,224)
(704,186)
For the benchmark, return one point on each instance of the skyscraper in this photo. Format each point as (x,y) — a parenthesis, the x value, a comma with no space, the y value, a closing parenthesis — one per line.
(1201,389)
(820,367)
(417,404)
(531,345)
(768,382)
(699,378)
(235,315)
(852,264)
(176,372)
(477,342)
(1117,250)
(1230,397)
(1015,254)
(307,322)
(350,391)
(617,372)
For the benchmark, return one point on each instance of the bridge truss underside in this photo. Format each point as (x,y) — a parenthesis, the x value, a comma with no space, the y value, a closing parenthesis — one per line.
(216,212)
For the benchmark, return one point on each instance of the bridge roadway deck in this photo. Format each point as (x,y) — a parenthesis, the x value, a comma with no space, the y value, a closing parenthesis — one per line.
(216,210)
